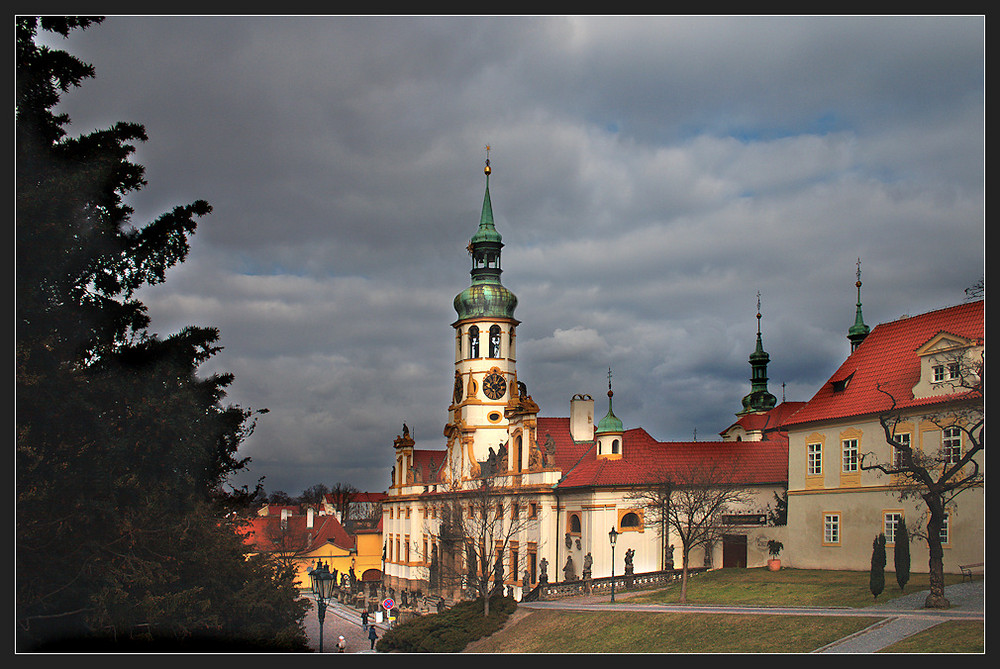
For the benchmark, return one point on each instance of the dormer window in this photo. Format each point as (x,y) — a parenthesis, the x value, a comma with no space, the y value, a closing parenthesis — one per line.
(948,364)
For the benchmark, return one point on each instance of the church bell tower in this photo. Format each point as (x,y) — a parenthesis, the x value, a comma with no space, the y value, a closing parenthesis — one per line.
(485,354)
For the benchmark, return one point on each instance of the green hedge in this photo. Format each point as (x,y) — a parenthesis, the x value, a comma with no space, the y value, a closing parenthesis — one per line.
(449,631)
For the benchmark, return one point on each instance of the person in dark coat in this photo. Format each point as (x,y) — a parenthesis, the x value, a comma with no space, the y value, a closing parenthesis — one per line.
(364,619)
(372,636)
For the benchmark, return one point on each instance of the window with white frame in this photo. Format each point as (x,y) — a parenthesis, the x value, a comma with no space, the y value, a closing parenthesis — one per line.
(831,528)
(814,459)
(937,373)
(890,521)
(850,453)
(953,370)
(951,445)
(945,533)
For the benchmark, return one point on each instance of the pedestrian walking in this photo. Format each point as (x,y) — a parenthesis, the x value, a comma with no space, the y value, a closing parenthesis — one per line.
(372,636)
(341,644)
(364,620)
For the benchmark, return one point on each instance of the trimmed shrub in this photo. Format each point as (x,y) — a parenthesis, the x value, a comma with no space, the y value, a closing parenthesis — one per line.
(876,582)
(901,555)
(449,631)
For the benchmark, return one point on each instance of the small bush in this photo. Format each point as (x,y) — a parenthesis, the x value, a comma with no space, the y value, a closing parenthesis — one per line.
(449,631)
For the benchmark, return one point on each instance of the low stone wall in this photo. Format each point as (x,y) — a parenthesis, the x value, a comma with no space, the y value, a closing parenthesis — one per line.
(602,586)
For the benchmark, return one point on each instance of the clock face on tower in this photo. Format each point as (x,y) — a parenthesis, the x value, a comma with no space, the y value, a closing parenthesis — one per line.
(458,389)
(494,386)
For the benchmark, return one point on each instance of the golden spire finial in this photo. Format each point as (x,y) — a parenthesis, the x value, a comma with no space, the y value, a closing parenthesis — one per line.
(487,169)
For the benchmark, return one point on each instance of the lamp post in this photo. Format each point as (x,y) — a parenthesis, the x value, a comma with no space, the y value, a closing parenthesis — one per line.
(322,588)
(613,536)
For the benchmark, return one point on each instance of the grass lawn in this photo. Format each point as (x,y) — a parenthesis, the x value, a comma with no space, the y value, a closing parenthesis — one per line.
(552,631)
(954,636)
(787,587)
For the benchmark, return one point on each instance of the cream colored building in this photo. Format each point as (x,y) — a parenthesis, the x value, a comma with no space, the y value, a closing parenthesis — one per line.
(926,364)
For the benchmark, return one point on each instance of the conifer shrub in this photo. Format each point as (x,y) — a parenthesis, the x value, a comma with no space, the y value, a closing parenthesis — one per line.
(901,555)
(876,582)
(449,631)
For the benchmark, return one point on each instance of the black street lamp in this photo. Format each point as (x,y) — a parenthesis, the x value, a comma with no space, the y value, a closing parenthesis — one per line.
(613,536)
(322,588)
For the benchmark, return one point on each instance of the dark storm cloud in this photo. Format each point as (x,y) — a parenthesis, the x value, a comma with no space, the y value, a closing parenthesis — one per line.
(650,176)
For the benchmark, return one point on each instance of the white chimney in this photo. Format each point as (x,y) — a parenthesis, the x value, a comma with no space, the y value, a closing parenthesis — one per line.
(309,517)
(581,417)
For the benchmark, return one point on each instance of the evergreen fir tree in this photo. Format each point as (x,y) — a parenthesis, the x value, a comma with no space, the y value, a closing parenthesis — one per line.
(122,451)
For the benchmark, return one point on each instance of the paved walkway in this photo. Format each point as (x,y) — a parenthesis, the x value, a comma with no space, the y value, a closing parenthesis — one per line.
(339,621)
(899,618)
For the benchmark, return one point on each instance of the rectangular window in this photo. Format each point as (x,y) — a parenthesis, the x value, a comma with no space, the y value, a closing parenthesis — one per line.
(532,510)
(815,459)
(850,455)
(938,371)
(890,521)
(951,445)
(897,455)
(831,528)
(953,370)
(945,535)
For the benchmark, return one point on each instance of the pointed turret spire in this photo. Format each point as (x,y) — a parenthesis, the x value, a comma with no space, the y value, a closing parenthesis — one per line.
(486,297)
(857,332)
(759,399)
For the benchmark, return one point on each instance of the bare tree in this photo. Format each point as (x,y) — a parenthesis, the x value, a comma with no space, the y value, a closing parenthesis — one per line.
(313,494)
(476,531)
(693,503)
(938,477)
(341,495)
(285,542)
(655,500)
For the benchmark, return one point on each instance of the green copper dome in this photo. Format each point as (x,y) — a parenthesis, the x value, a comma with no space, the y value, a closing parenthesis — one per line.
(485,300)
(610,422)
(486,297)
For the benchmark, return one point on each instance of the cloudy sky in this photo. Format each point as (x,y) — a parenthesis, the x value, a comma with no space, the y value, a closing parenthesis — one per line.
(651,174)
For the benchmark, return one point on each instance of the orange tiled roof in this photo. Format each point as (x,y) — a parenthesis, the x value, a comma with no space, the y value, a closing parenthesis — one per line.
(264,533)
(888,357)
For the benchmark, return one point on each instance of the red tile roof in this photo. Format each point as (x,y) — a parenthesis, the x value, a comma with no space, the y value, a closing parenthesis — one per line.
(887,357)
(644,459)
(768,422)
(265,535)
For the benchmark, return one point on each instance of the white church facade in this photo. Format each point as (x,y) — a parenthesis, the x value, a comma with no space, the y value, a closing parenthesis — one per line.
(560,485)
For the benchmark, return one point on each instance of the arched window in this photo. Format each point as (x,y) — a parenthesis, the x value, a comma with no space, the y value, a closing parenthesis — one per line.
(495,341)
(614,446)
(630,519)
(519,452)
(474,342)
(574,523)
